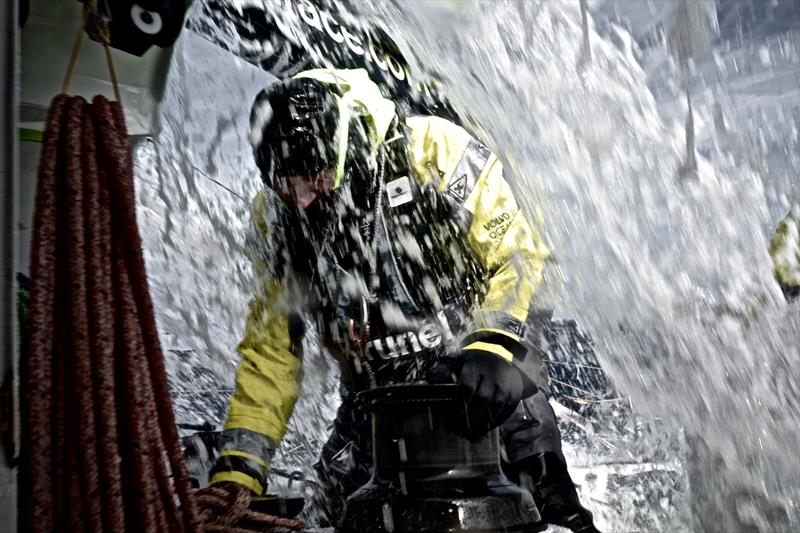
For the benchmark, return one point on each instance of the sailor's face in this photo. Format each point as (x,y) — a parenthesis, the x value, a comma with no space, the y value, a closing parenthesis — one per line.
(302,191)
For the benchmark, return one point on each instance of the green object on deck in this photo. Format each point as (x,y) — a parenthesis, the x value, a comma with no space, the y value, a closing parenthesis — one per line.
(30,135)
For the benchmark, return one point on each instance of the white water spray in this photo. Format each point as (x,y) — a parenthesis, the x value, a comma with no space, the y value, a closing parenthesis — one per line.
(671,277)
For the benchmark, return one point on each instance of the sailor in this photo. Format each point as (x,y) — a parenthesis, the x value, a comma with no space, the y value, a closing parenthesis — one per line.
(401,241)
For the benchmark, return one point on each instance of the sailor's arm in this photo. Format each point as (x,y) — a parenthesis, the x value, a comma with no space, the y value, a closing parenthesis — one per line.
(514,254)
(269,374)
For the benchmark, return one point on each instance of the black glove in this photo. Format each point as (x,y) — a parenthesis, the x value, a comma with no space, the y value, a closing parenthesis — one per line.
(489,389)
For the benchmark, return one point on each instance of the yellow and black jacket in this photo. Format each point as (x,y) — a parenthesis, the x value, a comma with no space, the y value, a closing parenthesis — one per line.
(785,252)
(477,284)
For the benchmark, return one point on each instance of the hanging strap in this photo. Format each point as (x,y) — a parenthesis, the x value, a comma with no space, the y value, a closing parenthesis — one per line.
(102,33)
(76,49)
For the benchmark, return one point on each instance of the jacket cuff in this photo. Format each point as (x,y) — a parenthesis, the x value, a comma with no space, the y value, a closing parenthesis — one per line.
(497,342)
(246,440)
(243,459)
(506,345)
(242,468)
(221,478)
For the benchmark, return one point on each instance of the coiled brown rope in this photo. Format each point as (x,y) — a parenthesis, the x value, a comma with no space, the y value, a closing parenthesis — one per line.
(100,446)
(99,441)
(225,509)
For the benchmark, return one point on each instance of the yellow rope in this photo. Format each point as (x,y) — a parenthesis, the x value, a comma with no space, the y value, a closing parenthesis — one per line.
(101,32)
(112,72)
(76,49)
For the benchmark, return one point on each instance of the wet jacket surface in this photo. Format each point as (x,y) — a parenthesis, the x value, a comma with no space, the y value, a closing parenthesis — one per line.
(458,266)
(785,252)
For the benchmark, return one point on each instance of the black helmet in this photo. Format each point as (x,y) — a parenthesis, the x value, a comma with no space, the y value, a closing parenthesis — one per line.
(293,129)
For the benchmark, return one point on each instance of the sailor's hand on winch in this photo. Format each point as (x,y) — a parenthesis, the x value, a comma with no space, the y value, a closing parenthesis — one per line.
(489,389)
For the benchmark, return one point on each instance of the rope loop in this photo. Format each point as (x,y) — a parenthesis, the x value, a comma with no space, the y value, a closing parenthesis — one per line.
(100,32)
(76,49)
(225,509)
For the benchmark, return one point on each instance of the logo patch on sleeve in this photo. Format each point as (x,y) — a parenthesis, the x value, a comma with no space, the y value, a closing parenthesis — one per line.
(466,173)
(458,188)
(399,192)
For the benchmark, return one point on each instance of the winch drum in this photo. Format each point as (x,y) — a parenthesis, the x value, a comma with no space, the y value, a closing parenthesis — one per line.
(428,479)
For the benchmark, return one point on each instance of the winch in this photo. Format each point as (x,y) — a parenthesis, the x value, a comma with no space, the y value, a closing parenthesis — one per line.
(428,479)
